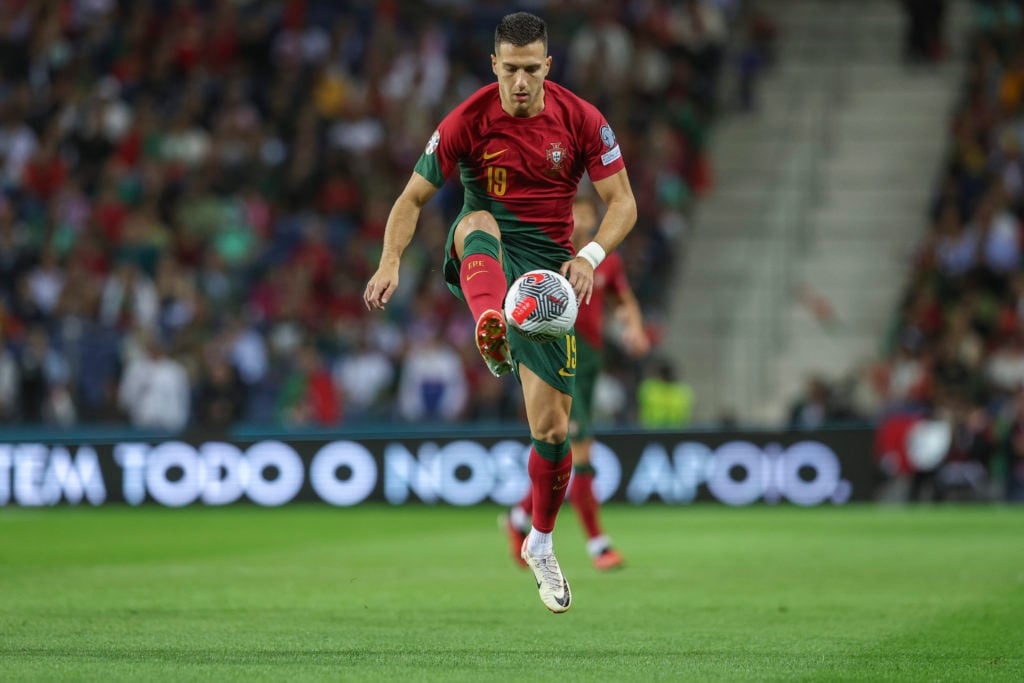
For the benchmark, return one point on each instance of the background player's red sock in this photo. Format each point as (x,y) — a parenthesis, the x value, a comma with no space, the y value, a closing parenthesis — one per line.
(582,498)
(527,502)
(481,276)
(549,478)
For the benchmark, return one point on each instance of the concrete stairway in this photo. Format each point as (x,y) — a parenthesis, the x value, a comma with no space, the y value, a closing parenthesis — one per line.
(823,190)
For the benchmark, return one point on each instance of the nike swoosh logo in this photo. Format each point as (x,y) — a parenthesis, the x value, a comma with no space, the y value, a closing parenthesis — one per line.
(561,371)
(491,155)
(563,601)
(473,275)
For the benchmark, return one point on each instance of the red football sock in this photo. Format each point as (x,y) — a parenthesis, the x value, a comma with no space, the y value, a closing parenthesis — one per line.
(549,480)
(483,283)
(582,498)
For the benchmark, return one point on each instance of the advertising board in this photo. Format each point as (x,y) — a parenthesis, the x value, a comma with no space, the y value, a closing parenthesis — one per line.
(804,468)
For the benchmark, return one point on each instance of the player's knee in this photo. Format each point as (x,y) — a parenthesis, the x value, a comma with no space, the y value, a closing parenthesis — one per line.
(555,432)
(480,220)
(476,223)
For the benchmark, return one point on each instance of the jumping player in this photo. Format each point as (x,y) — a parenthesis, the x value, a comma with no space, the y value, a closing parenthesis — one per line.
(521,146)
(611,285)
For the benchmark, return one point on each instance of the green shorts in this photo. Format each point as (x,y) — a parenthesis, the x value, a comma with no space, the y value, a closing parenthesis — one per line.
(588,367)
(553,362)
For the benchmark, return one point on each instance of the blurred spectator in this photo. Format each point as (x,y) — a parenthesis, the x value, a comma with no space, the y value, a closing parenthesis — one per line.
(432,384)
(965,472)
(41,371)
(18,142)
(8,381)
(220,397)
(129,299)
(1013,450)
(756,56)
(155,389)
(663,401)
(364,377)
(815,408)
(45,283)
(308,395)
(247,350)
(925,27)
(612,402)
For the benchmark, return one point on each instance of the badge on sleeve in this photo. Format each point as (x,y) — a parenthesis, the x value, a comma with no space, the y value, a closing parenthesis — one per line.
(608,138)
(433,142)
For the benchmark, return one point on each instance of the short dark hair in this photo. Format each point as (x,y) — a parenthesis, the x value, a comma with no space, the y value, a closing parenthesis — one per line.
(520,29)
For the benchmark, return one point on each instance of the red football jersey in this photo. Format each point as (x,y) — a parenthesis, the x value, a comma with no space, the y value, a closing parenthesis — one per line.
(609,277)
(524,170)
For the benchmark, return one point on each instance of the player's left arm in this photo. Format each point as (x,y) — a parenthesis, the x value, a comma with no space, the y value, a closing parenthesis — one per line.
(618,220)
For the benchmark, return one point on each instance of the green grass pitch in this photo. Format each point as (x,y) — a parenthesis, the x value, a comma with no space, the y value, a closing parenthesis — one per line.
(429,593)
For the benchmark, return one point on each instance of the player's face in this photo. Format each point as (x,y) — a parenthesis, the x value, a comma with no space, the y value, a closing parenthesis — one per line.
(521,72)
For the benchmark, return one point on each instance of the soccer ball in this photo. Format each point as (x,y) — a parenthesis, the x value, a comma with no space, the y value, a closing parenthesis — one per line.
(541,306)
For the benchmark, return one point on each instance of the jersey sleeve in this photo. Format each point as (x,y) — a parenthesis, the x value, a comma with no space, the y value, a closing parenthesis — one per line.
(604,156)
(448,144)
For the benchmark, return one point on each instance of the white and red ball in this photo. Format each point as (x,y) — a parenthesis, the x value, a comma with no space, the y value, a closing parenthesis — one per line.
(541,306)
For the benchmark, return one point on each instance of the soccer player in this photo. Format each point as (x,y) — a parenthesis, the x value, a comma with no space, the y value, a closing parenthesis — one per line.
(521,146)
(610,284)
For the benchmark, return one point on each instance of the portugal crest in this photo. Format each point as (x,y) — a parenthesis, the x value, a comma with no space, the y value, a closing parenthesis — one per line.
(556,155)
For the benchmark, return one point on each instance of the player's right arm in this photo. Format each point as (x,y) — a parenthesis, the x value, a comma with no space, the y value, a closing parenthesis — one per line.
(448,144)
(398,233)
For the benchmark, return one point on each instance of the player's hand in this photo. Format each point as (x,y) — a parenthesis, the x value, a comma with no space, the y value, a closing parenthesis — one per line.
(381,286)
(635,339)
(580,275)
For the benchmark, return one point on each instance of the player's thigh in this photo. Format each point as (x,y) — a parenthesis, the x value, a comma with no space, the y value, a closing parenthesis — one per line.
(554,362)
(547,408)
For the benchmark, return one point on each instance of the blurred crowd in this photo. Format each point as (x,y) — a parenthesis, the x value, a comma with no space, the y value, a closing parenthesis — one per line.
(950,392)
(193,194)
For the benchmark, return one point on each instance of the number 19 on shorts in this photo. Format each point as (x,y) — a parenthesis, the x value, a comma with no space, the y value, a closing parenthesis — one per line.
(570,356)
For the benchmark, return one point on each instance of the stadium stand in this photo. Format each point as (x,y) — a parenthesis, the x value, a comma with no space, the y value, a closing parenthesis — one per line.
(956,351)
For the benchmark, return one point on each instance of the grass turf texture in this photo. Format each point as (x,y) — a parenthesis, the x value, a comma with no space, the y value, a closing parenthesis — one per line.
(424,593)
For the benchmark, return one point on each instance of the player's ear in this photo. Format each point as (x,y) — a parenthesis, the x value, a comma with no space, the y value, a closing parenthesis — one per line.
(547,64)
(494,64)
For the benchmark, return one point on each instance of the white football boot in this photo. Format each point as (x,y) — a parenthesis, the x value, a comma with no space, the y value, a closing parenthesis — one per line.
(551,583)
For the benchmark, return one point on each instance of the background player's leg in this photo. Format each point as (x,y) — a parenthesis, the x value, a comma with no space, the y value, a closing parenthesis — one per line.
(582,493)
(582,497)
(517,523)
